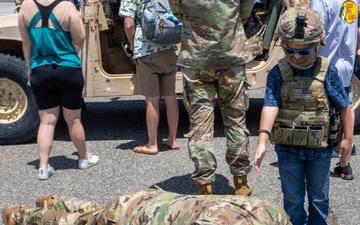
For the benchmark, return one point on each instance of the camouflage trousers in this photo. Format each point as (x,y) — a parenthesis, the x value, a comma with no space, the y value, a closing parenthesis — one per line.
(158,207)
(200,90)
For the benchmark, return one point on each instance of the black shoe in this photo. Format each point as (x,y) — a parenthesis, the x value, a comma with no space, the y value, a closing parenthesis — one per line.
(353,150)
(128,51)
(345,173)
(335,153)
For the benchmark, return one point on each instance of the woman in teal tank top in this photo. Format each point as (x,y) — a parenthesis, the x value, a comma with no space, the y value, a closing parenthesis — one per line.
(48,30)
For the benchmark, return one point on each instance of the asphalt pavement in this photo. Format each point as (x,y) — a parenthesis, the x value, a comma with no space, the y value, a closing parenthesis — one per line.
(114,126)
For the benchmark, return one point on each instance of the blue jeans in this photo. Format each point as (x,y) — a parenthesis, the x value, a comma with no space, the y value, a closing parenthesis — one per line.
(298,176)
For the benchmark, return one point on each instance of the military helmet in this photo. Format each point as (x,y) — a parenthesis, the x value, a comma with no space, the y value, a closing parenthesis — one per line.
(301,25)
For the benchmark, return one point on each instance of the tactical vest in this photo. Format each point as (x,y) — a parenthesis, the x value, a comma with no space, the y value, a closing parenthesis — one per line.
(304,114)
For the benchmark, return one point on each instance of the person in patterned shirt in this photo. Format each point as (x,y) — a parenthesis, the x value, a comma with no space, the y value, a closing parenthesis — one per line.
(155,76)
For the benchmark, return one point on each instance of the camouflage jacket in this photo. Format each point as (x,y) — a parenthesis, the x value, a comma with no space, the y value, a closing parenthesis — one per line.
(142,46)
(213,33)
(154,207)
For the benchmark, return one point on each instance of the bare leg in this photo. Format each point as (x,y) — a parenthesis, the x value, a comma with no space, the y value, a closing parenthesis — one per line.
(346,160)
(353,124)
(45,136)
(172,114)
(152,122)
(76,130)
(353,118)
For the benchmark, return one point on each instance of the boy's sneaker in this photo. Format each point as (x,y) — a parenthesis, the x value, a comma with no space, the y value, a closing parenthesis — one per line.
(91,161)
(345,173)
(335,153)
(44,174)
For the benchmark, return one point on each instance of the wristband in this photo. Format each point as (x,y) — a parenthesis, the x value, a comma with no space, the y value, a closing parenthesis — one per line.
(266,132)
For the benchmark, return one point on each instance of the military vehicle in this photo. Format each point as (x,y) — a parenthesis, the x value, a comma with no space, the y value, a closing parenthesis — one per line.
(107,68)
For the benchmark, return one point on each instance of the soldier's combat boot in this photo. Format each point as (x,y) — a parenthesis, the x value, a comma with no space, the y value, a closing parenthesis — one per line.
(44,201)
(242,187)
(204,189)
(11,214)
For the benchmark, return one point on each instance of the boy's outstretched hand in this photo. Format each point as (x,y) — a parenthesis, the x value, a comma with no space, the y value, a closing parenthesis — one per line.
(259,156)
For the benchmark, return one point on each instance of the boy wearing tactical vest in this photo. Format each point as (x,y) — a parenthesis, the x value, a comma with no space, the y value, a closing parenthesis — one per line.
(300,93)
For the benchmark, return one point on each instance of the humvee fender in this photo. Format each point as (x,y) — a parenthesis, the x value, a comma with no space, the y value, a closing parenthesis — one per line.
(107,69)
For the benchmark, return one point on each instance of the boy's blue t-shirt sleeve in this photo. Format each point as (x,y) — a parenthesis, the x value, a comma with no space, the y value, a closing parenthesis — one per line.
(334,89)
(273,85)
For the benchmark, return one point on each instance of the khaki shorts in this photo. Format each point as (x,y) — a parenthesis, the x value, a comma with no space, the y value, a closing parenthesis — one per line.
(155,74)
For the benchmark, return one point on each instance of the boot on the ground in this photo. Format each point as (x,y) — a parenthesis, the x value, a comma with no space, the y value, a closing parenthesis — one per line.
(242,187)
(11,214)
(204,189)
(44,201)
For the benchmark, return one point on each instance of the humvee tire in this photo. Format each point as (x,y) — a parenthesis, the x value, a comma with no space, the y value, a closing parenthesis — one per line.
(19,118)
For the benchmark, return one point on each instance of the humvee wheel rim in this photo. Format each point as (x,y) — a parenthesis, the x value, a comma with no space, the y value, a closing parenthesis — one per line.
(13,101)
(355,85)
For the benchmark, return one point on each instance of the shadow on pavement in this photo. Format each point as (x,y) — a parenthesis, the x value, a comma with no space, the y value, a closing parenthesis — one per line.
(184,185)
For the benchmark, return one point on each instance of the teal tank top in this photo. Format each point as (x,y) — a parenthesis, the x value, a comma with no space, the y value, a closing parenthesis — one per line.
(51,45)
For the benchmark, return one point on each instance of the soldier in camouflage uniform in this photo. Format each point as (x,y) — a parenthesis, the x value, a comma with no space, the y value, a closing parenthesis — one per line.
(155,76)
(150,206)
(212,58)
(300,93)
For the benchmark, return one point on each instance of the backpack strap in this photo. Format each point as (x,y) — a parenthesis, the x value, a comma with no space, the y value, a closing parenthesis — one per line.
(161,5)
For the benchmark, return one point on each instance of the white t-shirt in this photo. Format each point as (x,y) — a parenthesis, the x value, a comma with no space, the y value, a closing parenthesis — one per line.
(340,20)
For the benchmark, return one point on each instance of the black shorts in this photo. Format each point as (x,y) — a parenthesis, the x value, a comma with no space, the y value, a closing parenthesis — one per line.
(57,85)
